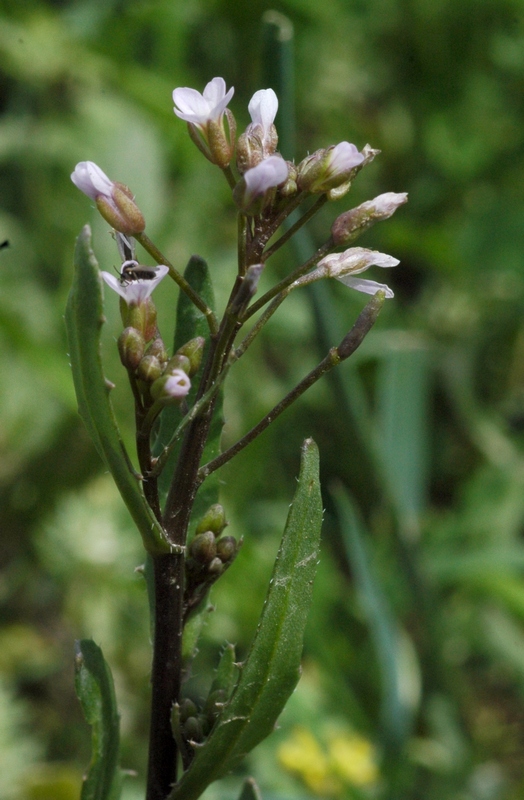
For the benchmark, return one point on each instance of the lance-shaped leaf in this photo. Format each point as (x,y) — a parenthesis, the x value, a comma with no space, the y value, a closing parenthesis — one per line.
(96,692)
(84,320)
(272,668)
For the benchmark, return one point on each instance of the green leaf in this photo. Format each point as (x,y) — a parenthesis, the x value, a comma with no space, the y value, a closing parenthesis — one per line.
(384,629)
(96,692)
(250,791)
(272,668)
(84,320)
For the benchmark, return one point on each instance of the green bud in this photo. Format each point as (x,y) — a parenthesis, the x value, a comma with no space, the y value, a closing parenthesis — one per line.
(203,548)
(157,348)
(221,145)
(143,317)
(193,350)
(213,520)
(215,567)
(227,548)
(131,346)
(149,369)
(187,709)
(121,211)
(193,730)
(178,362)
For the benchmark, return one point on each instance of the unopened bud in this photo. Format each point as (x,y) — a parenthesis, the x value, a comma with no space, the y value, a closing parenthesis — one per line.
(216,567)
(114,200)
(131,346)
(149,369)
(178,362)
(348,226)
(327,169)
(157,348)
(213,520)
(187,709)
(227,548)
(289,188)
(203,548)
(193,351)
(249,152)
(257,186)
(193,731)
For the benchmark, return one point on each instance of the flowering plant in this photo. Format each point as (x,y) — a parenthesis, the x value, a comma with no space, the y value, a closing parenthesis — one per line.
(172,492)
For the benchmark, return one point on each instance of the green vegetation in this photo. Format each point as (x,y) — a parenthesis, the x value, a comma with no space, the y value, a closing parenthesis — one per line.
(413,671)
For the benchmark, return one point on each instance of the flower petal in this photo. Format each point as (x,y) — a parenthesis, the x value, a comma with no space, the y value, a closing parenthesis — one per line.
(363,285)
(263,108)
(91,180)
(197,108)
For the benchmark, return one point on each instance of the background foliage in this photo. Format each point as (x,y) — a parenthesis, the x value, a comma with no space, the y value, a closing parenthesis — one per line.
(413,678)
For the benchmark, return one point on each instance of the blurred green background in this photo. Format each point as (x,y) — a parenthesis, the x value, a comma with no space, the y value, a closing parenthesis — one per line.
(413,683)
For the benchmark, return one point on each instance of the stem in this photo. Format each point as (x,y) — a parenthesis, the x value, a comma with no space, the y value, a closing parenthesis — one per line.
(166,672)
(288,280)
(179,279)
(347,347)
(295,227)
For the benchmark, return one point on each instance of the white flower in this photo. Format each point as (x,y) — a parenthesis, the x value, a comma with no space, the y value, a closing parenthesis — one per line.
(342,158)
(92,181)
(198,108)
(136,291)
(385,205)
(344,266)
(270,172)
(263,108)
(177,384)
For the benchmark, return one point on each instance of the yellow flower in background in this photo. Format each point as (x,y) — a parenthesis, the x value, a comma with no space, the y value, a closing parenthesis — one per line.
(347,760)
(303,756)
(353,759)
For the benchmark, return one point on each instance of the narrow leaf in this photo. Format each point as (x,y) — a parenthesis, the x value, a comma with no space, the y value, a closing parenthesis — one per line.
(84,320)
(385,632)
(272,668)
(96,692)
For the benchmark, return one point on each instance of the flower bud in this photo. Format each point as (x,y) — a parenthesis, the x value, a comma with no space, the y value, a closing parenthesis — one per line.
(203,548)
(253,191)
(227,549)
(352,223)
(213,520)
(329,168)
(131,346)
(187,709)
(172,387)
(178,362)
(193,350)
(157,348)
(193,731)
(149,369)
(215,567)
(204,115)
(114,200)
(289,188)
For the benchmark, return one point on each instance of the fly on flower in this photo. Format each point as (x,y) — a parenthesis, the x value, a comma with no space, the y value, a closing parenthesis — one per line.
(133,271)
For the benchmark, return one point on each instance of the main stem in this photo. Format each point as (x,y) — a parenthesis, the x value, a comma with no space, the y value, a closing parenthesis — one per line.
(166,673)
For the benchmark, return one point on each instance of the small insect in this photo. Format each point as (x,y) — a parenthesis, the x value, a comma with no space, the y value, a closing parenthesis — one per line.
(133,271)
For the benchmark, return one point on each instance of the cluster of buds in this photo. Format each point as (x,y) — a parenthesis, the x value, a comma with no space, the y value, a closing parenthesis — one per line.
(210,553)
